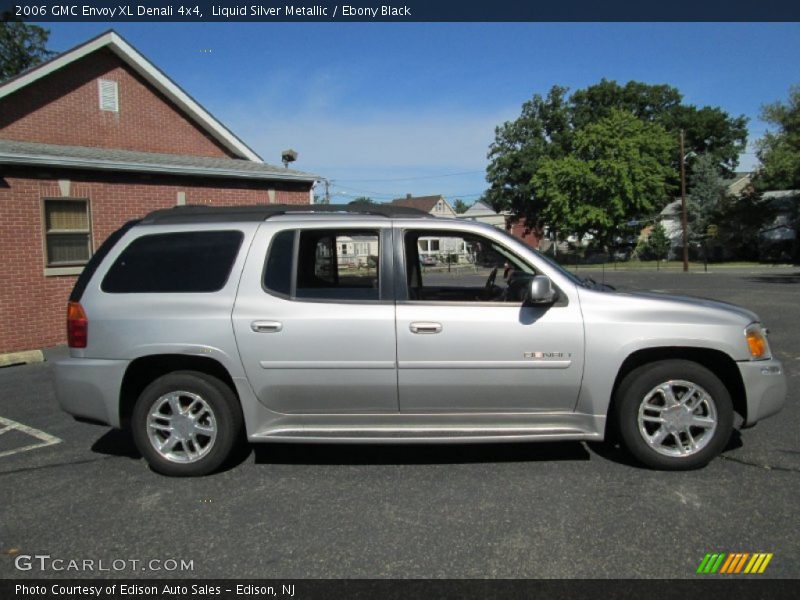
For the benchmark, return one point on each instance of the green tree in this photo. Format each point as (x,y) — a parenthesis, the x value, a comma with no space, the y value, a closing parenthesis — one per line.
(779,151)
(618,169)
(22,46)
(706,191)
(548,126)
(362,202)
(739,220)
(460,206)
(542,131)
(707,130)
(646,102)
(657,245)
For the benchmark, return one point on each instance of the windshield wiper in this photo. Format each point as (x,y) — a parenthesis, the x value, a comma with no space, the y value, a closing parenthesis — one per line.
(590,283)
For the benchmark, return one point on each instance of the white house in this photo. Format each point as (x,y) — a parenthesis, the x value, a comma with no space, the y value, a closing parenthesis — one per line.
(483,213)
(437,206)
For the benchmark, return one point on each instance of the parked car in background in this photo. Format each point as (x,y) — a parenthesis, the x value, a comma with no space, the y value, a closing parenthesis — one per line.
(428,261)
(197,326)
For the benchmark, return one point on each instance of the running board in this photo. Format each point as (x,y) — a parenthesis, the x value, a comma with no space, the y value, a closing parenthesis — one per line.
(454,435)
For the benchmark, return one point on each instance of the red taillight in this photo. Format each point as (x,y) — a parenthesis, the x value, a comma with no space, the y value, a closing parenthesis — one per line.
(77,326)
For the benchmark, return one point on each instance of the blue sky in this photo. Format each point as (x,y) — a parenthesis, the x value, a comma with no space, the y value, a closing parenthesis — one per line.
(385,109)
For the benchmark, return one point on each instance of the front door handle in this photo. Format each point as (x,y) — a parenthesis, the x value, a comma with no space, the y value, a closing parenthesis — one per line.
(425,327)
(266,326)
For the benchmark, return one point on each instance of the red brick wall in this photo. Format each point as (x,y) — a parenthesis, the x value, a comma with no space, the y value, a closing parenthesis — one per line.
(520,230)
(32,306)
(63,108)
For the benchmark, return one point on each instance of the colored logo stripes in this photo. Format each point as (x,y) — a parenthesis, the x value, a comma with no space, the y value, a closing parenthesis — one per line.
(734,563)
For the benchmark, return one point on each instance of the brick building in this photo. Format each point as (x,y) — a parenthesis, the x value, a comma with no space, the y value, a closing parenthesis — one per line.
(481,211)
(519,228)
(88,140)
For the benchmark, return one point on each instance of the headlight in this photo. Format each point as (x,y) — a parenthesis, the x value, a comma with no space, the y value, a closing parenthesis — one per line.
(757,341)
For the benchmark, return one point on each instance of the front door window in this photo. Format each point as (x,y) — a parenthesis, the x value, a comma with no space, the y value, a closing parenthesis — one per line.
(468,268)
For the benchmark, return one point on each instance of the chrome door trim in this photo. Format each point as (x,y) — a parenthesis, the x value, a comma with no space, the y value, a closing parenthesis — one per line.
(485,364)
(326,364)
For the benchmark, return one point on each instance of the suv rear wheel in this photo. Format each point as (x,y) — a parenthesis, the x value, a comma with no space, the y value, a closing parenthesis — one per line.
(674,414)
(186,423)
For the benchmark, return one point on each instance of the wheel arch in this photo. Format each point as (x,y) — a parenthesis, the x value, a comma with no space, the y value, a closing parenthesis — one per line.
(143,370)
(716,361)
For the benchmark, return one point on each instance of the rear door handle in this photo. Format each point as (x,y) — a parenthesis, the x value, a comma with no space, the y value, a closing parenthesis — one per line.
(425,327)
(266,326)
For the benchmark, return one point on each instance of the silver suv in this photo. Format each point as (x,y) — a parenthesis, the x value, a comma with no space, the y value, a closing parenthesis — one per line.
(197,325)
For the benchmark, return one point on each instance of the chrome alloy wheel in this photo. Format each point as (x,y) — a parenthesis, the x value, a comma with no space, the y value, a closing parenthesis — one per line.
(181,427)
(677,418)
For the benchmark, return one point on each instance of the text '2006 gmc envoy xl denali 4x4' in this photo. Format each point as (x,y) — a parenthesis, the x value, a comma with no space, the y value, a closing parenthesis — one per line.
(197,325)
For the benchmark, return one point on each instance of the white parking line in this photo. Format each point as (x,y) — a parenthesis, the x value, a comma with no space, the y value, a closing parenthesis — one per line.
(45,439)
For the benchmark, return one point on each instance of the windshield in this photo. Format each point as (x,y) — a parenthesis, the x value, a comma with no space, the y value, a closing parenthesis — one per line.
(568,274)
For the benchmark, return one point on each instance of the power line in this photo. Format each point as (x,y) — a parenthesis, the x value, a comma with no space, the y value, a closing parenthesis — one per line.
(351,191)
(414,178)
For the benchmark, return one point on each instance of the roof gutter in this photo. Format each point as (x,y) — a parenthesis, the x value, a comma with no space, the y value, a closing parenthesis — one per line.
(32,160)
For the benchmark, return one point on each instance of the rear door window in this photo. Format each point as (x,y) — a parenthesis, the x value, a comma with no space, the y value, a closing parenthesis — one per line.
(325,265)
(195,261)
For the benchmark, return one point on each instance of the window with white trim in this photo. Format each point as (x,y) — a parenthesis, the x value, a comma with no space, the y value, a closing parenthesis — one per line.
(67,231)
(108,92)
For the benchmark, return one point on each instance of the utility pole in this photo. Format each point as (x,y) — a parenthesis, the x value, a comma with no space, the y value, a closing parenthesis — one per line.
(684,216)
(327,192)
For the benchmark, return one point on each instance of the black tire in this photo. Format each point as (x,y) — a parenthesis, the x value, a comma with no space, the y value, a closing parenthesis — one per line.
(223,407)
(631,395)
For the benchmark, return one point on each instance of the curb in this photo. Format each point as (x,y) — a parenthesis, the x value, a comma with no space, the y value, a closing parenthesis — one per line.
(21,358)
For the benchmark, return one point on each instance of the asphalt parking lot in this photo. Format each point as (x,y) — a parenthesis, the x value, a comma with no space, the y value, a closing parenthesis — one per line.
(78,491)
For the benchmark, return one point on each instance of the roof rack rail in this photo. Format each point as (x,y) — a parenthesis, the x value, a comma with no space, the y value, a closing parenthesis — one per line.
(196,213)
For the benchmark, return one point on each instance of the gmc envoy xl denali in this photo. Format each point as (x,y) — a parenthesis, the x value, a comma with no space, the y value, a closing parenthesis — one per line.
(197,325)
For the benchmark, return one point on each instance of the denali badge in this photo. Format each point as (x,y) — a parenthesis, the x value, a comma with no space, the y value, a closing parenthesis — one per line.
(547,355)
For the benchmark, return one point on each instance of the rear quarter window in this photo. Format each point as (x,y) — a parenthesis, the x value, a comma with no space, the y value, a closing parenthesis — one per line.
(278,270)
(195,261)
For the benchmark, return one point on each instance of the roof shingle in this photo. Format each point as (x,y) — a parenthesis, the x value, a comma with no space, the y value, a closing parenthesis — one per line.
(425,203)
(17,152)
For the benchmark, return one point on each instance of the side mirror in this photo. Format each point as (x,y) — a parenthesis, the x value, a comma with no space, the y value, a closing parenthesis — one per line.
(540,291)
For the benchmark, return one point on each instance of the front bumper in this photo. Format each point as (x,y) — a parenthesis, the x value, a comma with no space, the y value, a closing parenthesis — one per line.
(89,388)
(765,387)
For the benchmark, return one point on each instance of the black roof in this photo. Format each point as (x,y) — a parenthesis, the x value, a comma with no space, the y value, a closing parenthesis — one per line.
(215,214)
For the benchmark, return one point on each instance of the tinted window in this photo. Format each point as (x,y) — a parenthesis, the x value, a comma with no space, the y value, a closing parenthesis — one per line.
(175,262)
(97,258)
(338,265)
(278,270)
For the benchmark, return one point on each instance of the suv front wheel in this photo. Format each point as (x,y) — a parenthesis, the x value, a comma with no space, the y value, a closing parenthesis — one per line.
(674,414)
(186,423)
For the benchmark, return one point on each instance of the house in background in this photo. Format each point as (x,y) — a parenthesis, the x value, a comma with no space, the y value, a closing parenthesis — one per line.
(482,212)
(779,240)
(89,140)
(438,207)
(435,205)
(357,251)
(738,184)
(671,215)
